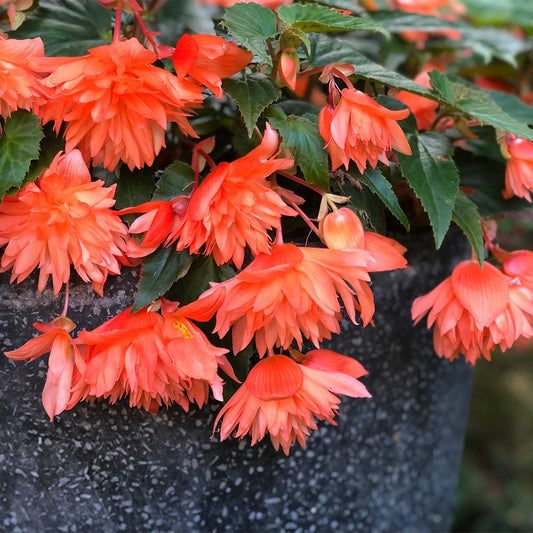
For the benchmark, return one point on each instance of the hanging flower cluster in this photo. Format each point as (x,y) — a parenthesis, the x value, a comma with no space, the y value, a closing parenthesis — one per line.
(256,146)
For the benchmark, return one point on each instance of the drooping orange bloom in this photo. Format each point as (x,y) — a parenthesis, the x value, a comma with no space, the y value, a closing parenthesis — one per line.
(343,230)
(234,207)
(208,59)
(62,219)
(64,359)
(282,398)
(116,104)
(160,219)
(20,86)
(289,294)
(474,310)
(423,109)
(360,129)
(517,264)
(519,169)
(152,359)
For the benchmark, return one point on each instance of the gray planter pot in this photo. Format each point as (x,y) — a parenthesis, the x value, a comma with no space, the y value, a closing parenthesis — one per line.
(391,464)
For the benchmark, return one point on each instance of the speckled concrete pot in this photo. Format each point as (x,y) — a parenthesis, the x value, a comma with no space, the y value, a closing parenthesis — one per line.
(390,465)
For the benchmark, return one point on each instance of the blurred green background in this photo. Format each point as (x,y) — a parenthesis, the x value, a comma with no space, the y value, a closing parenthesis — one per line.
(495,492)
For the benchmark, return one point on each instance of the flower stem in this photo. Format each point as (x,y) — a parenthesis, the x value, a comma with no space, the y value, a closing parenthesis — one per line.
(305,218)
(65,306)
(118,19)
(296,179)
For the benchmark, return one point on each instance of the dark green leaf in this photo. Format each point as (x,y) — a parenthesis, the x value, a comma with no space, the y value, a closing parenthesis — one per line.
(380,186)
(19,146)
(252,94)
(241,364)
(175,181)
(160,270)
(433,176)
(67,27)
(367,205)
(326,50)
(251,24)
(302,137)
(513,106)
(203,270)
(487,179)
(466,216)
(50,146)
(317,18)
(134,187)
(398,21)
(478,104)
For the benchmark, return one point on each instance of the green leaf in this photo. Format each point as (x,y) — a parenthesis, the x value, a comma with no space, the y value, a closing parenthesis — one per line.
(301,135)
(252,94)
(19,146)
(398,21)
(466,216)
(433,176)
(241,364)
(380,186)
(492,43)
(477,103)
(317,18)
(251,24)
(203,271)
(50,146)
(160,270)
(513,106)
(134,187)
(175,181)
(67,27)
(487,179)
(326,50)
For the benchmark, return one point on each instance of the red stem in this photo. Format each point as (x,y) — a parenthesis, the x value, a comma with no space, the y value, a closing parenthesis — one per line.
(306,219)
(302,182)
(118,18)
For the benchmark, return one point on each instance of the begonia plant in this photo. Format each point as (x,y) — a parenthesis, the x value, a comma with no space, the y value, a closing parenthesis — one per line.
(249,159)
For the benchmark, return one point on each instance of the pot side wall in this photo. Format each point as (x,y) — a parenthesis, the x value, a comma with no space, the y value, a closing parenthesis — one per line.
(391,464)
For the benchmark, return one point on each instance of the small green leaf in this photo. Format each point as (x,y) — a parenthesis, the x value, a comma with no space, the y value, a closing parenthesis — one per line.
(134,187)
(67,27)
(477,103)
(50,146)
(175,181)
(433,176)
(241,364)
(317,18)
(203,271)
(301,135)
(160,270)
(18,148)
(326,50)
(380,186)
(466,216)
(252,94)
(251,24)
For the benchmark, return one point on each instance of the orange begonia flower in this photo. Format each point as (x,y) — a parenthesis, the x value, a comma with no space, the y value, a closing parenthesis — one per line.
(62,219)
(151,358)
(208,59)
(360,129)
(519,169)
(289,294)
(116,104)
(474,310)
(423,109)
(20,86)
(282,398)
(343,230)
(233,207)
(160,219)
(64,359)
